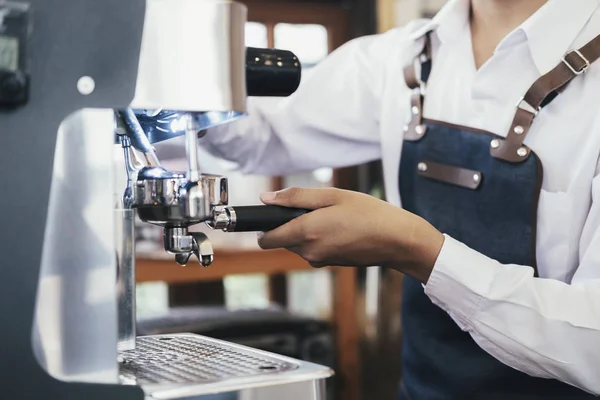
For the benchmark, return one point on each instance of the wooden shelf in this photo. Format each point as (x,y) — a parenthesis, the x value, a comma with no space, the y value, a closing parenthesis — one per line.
(227,262)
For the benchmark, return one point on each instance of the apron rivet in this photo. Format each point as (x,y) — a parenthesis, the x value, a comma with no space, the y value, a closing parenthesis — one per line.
(495,144)
(415,110)
(476,178)
(522,152)
(422,167)
(519,130)
(420,129)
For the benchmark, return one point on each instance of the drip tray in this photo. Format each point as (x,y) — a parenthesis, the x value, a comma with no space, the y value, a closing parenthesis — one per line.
(181,365)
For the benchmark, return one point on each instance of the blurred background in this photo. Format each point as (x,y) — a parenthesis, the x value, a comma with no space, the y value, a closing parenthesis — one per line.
(346,318)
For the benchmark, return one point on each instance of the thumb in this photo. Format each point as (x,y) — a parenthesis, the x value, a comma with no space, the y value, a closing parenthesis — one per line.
(301,198)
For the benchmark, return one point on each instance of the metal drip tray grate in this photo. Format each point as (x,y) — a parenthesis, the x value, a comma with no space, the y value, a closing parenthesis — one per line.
(187,359)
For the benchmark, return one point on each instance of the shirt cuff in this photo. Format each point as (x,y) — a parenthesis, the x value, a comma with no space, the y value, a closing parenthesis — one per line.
(460,280)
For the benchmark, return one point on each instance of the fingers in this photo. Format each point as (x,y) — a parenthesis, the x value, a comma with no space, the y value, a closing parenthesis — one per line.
(287,235)
(301,234)
(295,232)
(299,251)
(302,198)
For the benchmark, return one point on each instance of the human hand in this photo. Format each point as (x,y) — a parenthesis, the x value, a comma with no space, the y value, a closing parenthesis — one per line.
(353,229)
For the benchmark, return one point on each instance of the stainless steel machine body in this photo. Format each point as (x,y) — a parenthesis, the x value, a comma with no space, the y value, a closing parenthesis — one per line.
(68,236)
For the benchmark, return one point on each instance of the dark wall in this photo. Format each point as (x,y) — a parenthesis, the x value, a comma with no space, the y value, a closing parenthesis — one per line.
(363,13)
(363,20)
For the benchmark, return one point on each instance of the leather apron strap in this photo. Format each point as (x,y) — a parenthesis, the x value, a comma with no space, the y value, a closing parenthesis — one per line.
(539,95)
(416,79)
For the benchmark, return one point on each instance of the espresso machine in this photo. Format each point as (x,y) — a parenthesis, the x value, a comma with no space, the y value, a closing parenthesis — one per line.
(87,87)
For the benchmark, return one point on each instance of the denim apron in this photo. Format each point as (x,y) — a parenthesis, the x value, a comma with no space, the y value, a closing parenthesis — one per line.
(482,190)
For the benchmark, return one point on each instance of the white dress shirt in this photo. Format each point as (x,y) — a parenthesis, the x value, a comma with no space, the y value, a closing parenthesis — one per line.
(352,110)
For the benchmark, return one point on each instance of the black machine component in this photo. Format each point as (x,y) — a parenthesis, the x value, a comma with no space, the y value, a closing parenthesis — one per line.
(14,54)
(260,218)
(271,72)
(264,218)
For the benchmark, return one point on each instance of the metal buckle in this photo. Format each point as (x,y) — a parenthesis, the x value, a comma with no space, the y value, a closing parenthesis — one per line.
(422,88)
(523,105)
(571,67)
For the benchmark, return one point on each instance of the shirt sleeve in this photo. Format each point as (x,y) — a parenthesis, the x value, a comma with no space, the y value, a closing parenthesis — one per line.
(543,327)
(331,121)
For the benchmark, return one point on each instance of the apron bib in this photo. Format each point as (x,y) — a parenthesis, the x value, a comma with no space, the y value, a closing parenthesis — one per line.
(483,190)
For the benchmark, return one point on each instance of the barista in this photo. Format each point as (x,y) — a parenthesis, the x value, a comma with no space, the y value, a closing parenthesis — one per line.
(490,143)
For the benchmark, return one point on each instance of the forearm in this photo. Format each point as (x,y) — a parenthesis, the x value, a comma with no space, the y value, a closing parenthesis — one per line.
(416,248)
(542,327)
(279,138)
(331,121)
(247,141)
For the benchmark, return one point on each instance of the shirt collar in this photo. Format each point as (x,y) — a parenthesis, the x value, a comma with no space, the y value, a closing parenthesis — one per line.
(549,32)
(448,23)
(553,29)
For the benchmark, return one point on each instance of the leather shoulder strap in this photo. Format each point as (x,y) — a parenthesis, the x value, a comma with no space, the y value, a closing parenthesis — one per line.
(416,79)
(540,94)
(411,73)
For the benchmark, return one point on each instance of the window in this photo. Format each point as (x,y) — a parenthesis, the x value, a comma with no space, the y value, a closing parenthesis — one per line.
(308,41)
(256,35)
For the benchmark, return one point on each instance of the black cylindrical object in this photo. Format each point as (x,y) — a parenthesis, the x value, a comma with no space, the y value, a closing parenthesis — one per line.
(272,72)
(263,218)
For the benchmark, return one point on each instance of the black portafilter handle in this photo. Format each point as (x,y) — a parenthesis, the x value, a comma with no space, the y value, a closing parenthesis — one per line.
(271,72)
(263,218)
